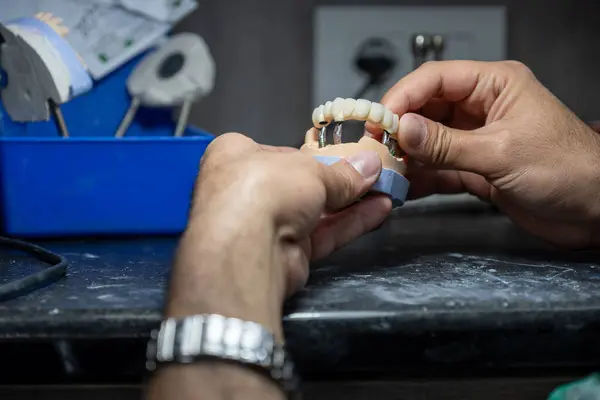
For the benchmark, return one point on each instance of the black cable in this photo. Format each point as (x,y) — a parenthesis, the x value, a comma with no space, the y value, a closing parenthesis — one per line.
(18,287)
(376,58)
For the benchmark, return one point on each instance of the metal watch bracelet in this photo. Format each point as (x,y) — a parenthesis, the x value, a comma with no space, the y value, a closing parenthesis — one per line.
(210,336)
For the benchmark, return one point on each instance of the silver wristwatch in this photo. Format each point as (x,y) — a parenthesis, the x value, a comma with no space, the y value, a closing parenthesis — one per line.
(198,337)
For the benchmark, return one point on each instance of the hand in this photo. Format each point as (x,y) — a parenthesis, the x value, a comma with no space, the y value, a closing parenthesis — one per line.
(493,130)
(261,213)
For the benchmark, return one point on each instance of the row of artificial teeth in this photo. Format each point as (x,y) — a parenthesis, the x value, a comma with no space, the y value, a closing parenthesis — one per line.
(340,110)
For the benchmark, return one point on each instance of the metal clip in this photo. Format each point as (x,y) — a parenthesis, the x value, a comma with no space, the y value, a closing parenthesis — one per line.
(323,137)
(387,141)
(386,138)
(337,133)
(390,143)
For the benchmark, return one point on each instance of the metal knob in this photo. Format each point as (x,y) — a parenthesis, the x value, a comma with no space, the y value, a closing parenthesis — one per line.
(438,46)
(421,45)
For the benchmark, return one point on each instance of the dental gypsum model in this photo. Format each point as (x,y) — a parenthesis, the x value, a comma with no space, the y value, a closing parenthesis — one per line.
(391,180)
(340,110)
(43,70)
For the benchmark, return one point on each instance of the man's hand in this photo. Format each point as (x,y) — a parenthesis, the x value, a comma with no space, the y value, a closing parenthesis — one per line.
(492,129)
(259,215)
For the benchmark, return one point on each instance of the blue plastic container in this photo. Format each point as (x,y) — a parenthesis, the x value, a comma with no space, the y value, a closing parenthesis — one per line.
(92,183)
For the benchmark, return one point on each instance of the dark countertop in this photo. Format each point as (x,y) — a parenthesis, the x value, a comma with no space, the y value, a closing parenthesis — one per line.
(435,287)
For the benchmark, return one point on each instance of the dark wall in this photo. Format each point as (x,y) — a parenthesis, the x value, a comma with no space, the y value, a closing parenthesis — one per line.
(263,51)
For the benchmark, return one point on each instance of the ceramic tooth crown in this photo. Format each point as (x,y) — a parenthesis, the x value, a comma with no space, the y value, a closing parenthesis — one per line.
(361,110)
(328,111)
(348,109)
(376,114)
(340,110)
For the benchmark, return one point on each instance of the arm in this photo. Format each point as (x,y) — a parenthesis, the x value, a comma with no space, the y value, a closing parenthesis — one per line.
(212,380)
(222,274)
(257,218)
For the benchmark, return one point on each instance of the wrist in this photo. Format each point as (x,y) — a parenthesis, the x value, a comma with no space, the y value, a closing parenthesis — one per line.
(215,380)
(229,268)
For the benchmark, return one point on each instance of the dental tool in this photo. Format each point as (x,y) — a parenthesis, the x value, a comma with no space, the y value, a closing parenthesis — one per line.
(177,74)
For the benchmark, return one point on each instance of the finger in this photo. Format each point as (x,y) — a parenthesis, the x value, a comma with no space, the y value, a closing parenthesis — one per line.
(558,233)
(348,179)
(454,81)
(311,136)
(437,109)
(446,148)
(342,228)
(229,146)
(451,80)
(425,182)
(277,149)
(297,265)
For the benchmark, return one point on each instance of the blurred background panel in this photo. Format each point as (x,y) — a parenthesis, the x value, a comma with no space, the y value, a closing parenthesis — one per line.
(264,51)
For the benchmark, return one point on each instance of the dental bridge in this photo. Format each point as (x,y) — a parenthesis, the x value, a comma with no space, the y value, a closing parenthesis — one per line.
(391,180)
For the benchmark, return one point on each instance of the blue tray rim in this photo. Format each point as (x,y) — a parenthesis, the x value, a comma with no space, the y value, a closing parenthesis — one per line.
(200,138)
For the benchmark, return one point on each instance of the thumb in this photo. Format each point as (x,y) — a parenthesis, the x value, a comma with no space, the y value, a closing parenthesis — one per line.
(435,144)
(348,179)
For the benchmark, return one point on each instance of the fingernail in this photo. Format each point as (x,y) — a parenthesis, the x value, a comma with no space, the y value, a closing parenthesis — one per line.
(414,130)
(367,163)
